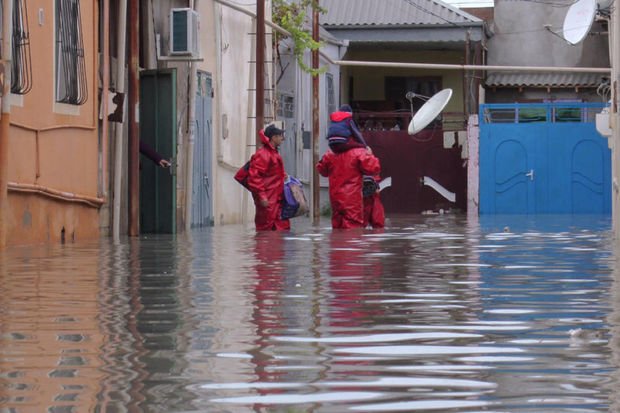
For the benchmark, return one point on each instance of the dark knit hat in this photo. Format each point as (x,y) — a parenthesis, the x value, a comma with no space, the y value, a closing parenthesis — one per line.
(272,130)
(346,108)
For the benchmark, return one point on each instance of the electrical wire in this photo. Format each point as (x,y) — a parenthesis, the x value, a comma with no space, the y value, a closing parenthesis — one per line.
(425,10)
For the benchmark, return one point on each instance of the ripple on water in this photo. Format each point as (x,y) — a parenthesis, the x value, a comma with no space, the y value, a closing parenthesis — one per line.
(434,313)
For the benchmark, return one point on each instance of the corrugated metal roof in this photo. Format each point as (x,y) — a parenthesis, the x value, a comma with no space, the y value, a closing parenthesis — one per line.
(514,79)
(392,12)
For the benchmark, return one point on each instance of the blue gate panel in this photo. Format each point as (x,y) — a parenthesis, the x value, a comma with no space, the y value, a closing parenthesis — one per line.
(511,186)
(549,163)
(588,183)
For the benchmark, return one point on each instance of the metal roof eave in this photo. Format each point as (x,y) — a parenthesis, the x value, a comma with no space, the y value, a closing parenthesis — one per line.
(424,34)
(544,80)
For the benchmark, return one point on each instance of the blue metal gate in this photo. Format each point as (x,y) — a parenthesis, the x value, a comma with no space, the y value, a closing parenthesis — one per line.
(543,158)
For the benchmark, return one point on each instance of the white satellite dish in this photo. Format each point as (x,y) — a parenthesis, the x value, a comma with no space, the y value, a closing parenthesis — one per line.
(578,20)
(429,111)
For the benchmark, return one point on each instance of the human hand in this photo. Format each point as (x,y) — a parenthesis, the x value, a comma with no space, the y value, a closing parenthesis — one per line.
(369,150)
(264,203)
(164,163)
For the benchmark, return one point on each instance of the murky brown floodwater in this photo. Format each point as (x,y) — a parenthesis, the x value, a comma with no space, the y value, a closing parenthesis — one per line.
(434,314)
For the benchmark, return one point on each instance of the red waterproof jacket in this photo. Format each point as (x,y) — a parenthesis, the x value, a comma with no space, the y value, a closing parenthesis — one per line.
(266,181)
(345,172)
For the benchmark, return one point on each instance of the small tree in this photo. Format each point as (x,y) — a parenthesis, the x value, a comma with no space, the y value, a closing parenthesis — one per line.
(291,16)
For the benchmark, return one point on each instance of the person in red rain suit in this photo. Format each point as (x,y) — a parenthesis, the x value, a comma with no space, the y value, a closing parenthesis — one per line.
(266,181)
(374,214)
(343,133)
(345,170)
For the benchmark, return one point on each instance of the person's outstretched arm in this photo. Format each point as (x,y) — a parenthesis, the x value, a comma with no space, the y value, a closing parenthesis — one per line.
(152,154)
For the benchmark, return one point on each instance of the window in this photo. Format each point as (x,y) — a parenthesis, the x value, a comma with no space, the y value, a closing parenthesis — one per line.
(21,68)
(286,106)
(397,87)
(331,93)
(71,85)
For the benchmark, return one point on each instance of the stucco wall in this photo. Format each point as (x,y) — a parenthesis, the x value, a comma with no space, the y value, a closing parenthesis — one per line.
(53,146)
(520,38)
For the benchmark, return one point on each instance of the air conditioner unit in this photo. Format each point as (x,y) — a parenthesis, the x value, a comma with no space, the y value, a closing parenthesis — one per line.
(184,32)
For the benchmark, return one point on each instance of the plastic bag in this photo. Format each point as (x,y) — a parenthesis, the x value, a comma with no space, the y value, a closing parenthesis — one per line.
(294,201)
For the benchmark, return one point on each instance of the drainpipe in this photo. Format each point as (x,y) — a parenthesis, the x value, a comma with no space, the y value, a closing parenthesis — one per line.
(316,190)
(7,51)
(466,77)
(260,69)
(134,126)
(118,129)
(191,137)
(250,136)
(105,84)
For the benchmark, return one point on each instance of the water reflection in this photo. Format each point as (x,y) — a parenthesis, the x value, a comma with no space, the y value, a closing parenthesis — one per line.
(505,314)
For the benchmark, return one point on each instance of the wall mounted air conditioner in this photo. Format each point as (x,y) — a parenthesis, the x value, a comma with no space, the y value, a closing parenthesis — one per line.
(184,32)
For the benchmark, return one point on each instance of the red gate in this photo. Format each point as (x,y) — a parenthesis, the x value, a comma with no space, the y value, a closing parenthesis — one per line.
(408,159)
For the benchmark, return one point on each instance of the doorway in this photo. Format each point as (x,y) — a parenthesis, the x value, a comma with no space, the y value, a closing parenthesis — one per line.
(158,114)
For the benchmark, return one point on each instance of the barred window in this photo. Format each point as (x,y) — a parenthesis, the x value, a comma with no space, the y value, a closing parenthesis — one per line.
(71,84)
(285,106)
(21,66)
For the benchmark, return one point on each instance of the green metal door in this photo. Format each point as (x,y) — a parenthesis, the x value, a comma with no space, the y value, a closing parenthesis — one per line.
(158,114)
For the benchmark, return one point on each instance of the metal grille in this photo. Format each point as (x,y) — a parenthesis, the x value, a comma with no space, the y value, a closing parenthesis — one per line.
(71,82)
(286,106)
(21,75)
(529,113)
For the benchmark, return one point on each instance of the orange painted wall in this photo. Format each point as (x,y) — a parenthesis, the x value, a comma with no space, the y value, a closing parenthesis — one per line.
(53,145)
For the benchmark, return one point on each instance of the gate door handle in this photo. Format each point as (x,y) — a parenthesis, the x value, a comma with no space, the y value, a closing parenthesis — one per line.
(530,174)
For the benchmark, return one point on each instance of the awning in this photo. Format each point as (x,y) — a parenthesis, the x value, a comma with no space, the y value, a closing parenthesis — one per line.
(556,80)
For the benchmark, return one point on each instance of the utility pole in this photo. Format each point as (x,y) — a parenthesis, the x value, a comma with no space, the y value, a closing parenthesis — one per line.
(316,189)
(134,125)
(260,69)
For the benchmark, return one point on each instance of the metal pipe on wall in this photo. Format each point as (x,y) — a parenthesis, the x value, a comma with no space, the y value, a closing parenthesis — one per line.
(118,129)
(191,137)
(260,68)
(94,202)
(473,67)
(316,190)
(105,86)
(134,126)
(7,51)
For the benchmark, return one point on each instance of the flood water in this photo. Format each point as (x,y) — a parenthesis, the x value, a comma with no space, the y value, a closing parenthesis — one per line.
(432,314)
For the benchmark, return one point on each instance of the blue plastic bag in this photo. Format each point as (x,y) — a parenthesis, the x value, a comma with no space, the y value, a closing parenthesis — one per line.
(294,201)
